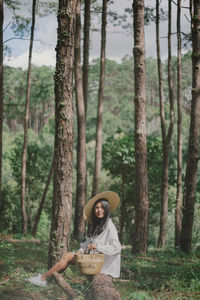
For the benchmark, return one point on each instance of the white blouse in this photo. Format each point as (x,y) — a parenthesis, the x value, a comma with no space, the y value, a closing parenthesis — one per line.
(107,243)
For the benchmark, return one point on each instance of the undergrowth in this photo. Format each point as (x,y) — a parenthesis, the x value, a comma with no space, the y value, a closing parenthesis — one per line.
(161,274)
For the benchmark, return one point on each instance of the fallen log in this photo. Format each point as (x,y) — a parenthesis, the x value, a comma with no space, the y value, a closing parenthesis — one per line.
(103,288)
(66,287)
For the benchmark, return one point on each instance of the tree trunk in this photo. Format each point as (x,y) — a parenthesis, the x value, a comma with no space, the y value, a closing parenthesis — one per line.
(140,235)
(66,287)
(36,119)
(86,48)
(180,136)
(122,210)
(37,219)
(81,182)
(26,119)
(161,97)
(102,287)
(166,137)
(1,98)
(193,148)
(63,145)
(98,150)
(44,117)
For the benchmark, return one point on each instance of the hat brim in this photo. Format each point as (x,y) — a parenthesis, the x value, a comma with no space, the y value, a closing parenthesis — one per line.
(110,196)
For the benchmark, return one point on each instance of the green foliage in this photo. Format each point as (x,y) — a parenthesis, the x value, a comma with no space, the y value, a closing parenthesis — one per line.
(159,274)
(14,95)
(21,26)
(118,113)
(118,154)
(139,296)
(118,159)
(12,4)
(39,158)
(118,97)
(41,100)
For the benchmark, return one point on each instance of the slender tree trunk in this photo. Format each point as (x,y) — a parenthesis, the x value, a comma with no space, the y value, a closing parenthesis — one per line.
(81,182)
(44,117)
(63,145)
(180,136)
(86,48)
(140,235)
(1,98)
(37,219)
(166,137)
(192,12)
(162,117)
(122,210)
(98,150)
(193,148)
(170,78)
(24,152)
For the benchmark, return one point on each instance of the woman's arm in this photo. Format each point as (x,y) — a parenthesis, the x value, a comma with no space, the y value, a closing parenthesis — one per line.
(111,248)
(108,243)
(84,245)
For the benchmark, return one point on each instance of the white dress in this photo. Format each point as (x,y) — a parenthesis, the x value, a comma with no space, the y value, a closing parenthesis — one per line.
(107,243)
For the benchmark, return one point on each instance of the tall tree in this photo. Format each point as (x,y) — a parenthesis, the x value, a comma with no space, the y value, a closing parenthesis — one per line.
(1,96)
(193,147)
(79,223)
(38,215)
(166,136)
(179,129)
(140,234)
(86,48)
(63,145)
(98,150)
(26,119)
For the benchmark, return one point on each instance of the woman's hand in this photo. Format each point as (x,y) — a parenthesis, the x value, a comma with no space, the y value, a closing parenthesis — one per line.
(92,246)
(79,252)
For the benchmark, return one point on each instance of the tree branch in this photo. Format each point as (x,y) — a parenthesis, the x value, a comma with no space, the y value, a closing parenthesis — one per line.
(15,38)
(6,26)
(186,7)
(66,287)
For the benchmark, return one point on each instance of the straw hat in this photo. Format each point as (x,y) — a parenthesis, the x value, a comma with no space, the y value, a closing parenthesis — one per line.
(111,197)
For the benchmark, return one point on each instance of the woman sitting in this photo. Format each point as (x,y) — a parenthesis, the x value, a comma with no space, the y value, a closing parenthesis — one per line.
(102,238)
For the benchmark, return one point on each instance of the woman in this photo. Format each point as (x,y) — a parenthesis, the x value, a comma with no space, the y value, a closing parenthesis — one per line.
(102,238)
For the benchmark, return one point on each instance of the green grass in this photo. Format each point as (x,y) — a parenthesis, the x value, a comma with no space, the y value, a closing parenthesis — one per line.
(161,274)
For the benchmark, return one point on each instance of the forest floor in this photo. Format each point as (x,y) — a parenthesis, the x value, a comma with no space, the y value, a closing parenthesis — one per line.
(161,274)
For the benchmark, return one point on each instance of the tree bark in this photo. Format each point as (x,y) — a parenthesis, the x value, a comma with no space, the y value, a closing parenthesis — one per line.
(98,150)
(103,288)
(37,219)
(81,182)
(122,210)
(26,119)
(193,148)
(140,235)
(1,98)
(66,287)
(63,145)
(86,48)
(166,137)
(161,97)
(179,129)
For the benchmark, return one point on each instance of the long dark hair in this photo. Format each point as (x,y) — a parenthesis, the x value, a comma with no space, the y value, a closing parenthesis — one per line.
(98,225)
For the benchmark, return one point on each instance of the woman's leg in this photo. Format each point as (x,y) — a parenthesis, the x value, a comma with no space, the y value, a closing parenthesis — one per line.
(60,265)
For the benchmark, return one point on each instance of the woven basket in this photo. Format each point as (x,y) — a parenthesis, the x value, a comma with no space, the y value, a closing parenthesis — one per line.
(90,263)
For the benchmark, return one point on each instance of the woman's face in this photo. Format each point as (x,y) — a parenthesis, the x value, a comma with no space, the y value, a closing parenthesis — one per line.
(99,210)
